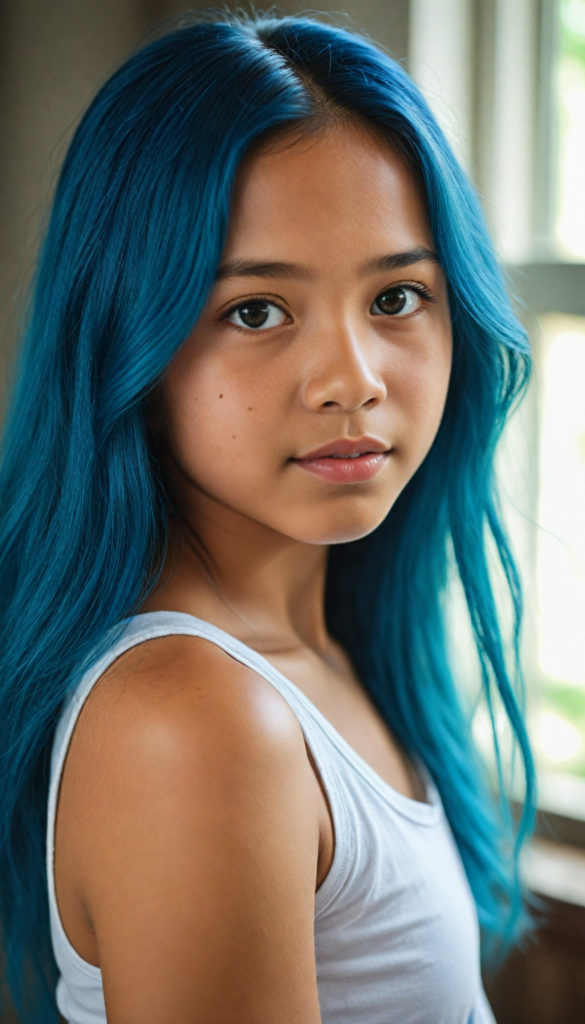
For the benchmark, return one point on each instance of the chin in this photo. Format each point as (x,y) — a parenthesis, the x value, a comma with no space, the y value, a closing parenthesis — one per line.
(339,530)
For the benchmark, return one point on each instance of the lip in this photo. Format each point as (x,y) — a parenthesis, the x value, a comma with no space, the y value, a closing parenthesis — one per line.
(347,446)
(333,461)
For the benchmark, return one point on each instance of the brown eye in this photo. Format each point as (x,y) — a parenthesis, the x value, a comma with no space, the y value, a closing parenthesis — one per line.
(397,301)
(256,315)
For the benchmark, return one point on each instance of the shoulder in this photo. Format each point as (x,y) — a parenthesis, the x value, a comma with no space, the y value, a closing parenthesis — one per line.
(182,701)
(180,748)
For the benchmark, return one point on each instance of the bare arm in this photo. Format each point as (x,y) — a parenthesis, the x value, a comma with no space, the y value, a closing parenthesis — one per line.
(188,813)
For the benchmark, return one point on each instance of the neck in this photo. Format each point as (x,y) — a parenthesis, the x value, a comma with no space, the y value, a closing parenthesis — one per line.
(263,587)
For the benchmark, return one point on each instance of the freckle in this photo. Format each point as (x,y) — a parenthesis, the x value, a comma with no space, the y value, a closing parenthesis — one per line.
(234,437)
(249,408)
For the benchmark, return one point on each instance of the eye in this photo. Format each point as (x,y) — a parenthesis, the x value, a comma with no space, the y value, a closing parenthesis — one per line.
(397,301)
(256,315)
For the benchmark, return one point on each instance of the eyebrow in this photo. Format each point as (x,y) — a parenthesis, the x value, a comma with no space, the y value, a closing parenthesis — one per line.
(296,271)
(399,259)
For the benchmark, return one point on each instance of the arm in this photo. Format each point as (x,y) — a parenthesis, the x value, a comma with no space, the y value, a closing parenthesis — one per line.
(200,841)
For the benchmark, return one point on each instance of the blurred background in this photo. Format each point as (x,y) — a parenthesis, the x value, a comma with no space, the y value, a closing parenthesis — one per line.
(506,79)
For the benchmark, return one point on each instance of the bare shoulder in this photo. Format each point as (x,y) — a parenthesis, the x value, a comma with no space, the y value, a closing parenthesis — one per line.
(178,711)
(188,820)
(177,687)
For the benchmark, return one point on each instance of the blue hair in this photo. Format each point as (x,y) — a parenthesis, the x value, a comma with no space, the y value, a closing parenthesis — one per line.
(133,244)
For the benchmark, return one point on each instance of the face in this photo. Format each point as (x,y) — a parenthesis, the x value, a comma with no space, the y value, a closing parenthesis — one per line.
(314,382)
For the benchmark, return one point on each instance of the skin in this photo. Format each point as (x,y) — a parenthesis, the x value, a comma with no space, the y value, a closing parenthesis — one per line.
(192,828)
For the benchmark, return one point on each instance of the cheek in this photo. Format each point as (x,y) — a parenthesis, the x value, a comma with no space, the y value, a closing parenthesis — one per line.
(219,419)
(420,391)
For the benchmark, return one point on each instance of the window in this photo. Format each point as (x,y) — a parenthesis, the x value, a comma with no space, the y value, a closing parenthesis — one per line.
(560,547)
(506,79)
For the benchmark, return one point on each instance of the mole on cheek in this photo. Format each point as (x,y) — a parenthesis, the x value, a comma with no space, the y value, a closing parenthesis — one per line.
(249,408)
(221,396)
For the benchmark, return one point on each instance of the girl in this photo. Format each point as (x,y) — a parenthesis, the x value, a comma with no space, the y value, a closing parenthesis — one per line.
(268,359)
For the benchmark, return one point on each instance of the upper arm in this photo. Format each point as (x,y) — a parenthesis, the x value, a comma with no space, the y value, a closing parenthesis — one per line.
(200,845)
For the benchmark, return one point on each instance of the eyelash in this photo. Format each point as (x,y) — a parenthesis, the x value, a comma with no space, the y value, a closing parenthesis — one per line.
(414,286)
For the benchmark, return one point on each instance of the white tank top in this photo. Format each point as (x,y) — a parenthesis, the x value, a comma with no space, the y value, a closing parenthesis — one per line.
(396,931)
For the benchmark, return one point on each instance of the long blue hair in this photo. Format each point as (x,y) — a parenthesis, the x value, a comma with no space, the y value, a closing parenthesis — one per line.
(133,244)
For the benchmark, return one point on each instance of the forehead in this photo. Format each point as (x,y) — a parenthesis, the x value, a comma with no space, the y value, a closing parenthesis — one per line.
(343,188)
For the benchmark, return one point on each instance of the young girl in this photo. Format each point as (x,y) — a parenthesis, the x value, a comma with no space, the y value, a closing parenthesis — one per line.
(268,359)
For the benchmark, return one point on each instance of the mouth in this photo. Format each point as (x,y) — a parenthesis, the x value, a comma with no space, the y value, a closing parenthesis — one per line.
(347,461)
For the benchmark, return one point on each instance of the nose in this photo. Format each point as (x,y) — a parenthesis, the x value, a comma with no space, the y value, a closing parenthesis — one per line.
(343,376)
